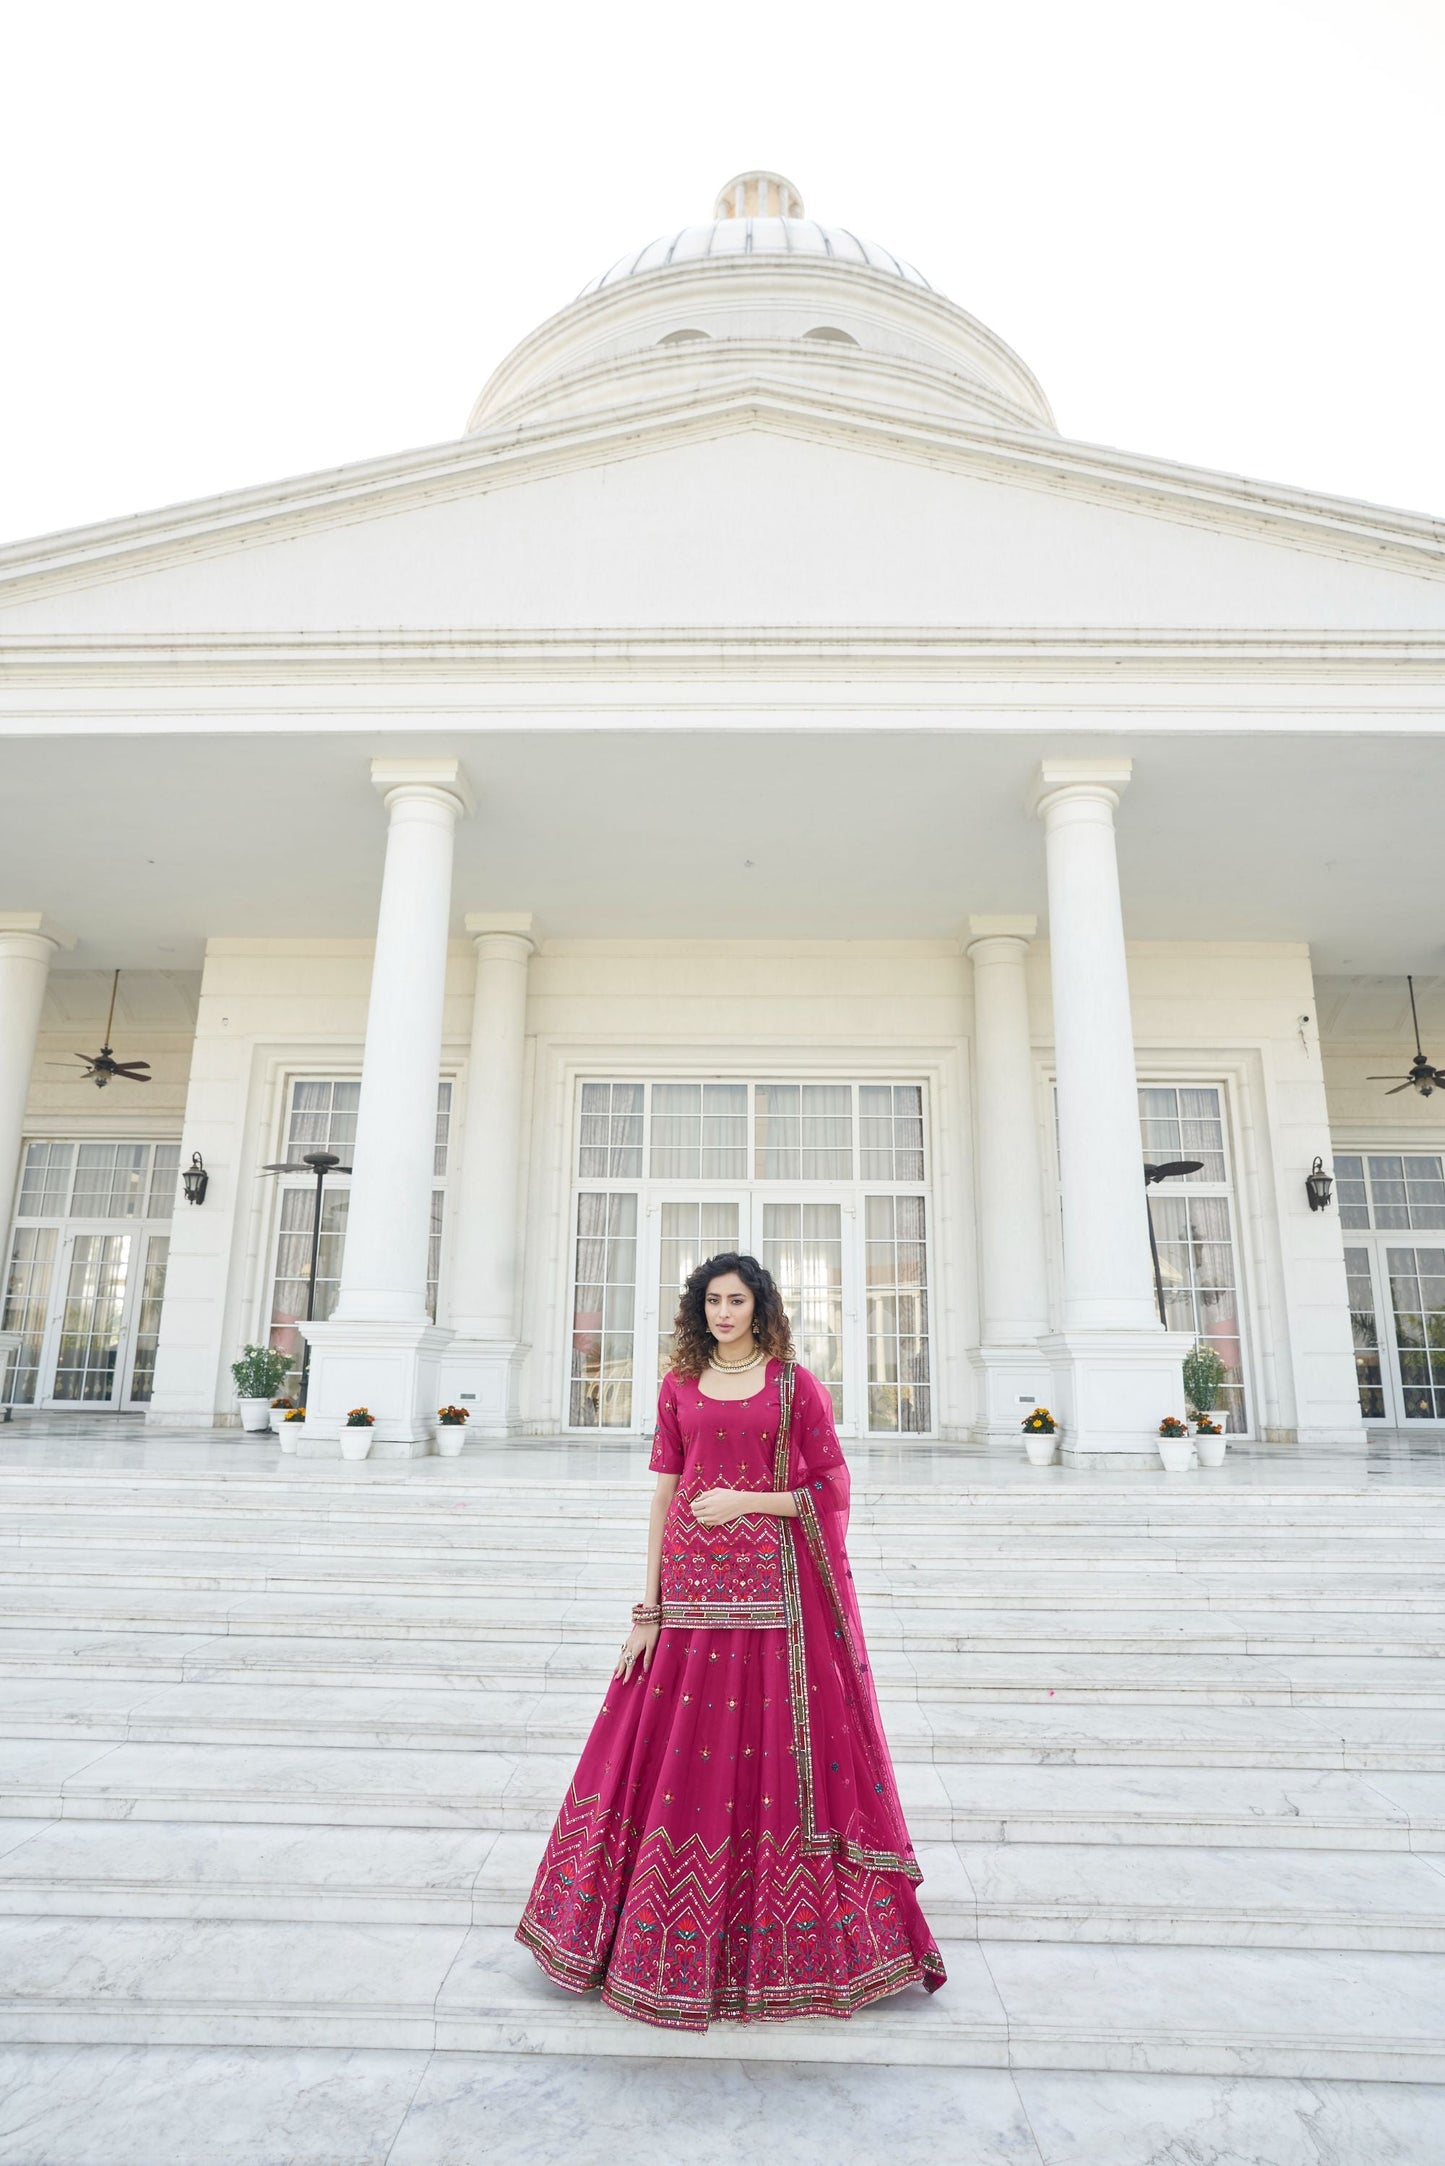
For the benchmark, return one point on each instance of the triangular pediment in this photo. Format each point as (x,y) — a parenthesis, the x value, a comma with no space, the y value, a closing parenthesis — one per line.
(764,509)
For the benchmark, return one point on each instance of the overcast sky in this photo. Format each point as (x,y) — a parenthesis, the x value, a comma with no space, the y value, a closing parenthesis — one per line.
(247,242)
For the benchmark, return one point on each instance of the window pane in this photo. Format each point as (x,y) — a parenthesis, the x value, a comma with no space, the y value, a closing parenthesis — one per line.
(1198,1274)
(45,1181)
(610,1144)
(27,1304)
(293,1264)
(691,1232)
(1417,1295)
(444,1129)
(896,1294)
(601,1377)
(110,1180)
(803,1249)
(148,1318)
(165,1185)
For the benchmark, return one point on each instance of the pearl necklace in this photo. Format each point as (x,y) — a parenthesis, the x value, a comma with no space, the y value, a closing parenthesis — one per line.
(734,1368)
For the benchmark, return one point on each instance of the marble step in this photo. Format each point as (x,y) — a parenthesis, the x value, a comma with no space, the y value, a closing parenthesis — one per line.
(1062,1676)
(496,1620)
(970,1801)
(1036,1892)
(1362,2014)
(476,1536)
(461,1719)
(39,1584)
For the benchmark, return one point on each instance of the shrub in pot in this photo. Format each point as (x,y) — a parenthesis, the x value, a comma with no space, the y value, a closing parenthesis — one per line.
(1209,1441)
(259,1374)
(1040,1430)
(451,1430)
(1204,1374)
(356,1435)
(1175,1448)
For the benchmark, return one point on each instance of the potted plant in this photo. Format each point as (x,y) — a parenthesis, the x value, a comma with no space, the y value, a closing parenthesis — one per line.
(356,1435)
(1040,1429)
(1175,1449)
(451,1432)
(1209,1441)
(259,1372)
(1204,1373)
(288,1434)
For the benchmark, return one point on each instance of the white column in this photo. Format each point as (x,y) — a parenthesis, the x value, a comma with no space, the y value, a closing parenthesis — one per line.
(1013,1374)
(378,1348)
(28,941)
(482,1365)
(1119,1367)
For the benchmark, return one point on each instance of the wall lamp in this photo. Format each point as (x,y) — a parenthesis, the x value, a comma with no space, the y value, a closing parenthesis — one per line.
(195,1179)
(1318,1185)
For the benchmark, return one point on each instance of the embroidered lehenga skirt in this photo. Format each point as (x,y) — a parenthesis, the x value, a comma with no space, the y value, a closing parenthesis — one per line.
(719,1851)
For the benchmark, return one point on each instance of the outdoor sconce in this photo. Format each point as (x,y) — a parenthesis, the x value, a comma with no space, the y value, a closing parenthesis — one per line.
(195,1179)
(1318,1185)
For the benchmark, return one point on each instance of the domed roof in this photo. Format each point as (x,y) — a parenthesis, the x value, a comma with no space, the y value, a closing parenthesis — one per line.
(756,214)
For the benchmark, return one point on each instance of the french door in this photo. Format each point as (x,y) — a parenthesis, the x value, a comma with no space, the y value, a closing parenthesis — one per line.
(1397,1315)
(806,1242)
(97,1344)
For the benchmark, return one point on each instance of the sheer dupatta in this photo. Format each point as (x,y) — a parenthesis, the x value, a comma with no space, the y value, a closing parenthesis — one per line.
(847,1794)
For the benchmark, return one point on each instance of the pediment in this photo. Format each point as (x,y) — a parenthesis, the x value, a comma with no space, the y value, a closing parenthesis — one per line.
(759,510)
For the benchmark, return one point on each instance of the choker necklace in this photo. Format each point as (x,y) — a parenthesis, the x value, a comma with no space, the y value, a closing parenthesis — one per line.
(731,1368)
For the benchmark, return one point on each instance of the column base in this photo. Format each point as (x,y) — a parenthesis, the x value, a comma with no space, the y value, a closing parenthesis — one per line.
(1010,1382)
(392,1369)
(1113,1389)
(485,1376)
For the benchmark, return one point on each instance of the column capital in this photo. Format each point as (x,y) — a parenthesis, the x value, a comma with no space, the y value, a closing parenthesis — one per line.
(442,779)
(517,925)
(34,925)
(1015,932)
(1079,781)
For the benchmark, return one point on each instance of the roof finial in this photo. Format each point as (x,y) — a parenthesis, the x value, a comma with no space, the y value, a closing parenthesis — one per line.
(758,195)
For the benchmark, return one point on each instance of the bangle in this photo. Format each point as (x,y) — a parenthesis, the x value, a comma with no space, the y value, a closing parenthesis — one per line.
(647,1613)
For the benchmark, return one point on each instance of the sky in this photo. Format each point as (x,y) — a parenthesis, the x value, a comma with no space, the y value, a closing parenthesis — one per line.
(248,242)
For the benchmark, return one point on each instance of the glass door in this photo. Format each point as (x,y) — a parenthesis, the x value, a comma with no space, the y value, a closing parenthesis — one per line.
(684,1231)
(1397,1315)
(100,1348)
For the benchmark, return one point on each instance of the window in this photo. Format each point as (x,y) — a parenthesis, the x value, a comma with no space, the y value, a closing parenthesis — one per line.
(897,1287)
(825,1182)
(27,1301)
(1392,1190)
(699,1132)
(99,1180)
(831,335)
(1193,1226)
(321,1116)
(611,1147)
(805,1132)
(603,1311)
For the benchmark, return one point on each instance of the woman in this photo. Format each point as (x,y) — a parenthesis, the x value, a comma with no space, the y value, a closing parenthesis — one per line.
(732,1843)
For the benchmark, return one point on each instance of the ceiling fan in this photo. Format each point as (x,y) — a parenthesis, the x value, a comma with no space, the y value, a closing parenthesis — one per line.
(100,1067)
(1424,1078)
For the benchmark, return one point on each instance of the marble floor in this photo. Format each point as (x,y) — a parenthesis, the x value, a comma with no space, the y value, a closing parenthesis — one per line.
(280,1741)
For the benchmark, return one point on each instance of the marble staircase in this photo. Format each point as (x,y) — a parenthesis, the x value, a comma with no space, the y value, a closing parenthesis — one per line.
(279,1745)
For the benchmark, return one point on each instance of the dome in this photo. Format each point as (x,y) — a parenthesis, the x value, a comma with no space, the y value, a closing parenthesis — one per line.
(756,214)
(762,304)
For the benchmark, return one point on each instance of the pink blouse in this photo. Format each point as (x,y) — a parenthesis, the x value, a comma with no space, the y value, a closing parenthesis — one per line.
(727,1576)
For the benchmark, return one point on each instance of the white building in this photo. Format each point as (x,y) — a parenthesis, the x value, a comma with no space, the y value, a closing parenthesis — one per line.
(693,810)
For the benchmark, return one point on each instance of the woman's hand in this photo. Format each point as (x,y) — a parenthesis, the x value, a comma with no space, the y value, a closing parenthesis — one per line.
(638,1647)
(715,1507)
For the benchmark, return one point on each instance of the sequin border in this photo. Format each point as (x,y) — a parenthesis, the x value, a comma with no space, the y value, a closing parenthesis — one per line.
(815,1838)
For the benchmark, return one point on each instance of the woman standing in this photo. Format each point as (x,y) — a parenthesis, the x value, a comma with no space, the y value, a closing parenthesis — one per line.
(732,1842)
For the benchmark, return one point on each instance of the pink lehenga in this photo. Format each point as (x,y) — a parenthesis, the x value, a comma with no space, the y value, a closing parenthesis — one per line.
(732,1843)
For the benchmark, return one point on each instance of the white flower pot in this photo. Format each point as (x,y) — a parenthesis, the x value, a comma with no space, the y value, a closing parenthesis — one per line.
(1040,1446)
(355,1443)
(255,1415)
(287,1433)
(1177,1453)
(451,1436)
(1211,1449)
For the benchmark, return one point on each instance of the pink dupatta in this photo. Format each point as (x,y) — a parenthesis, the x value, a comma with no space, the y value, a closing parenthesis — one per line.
(847,1794)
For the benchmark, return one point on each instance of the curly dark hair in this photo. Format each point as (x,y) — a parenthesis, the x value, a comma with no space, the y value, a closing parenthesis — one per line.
(692,1342)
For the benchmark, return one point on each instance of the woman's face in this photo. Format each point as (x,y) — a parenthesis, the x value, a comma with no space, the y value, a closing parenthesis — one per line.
(728,1304)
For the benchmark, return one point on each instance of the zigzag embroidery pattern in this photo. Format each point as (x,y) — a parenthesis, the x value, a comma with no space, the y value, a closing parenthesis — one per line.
(751,1928)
